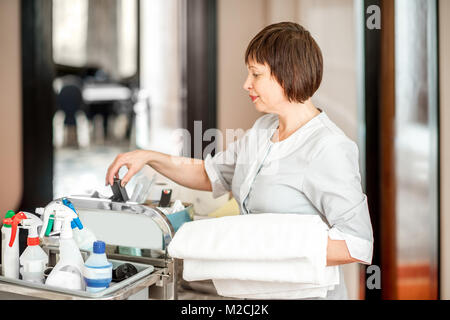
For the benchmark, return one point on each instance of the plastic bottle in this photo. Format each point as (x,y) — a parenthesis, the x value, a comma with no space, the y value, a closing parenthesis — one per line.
(47,214)
(68,271)
(33,260)
(11,264)
(97,269)
(10,255)
(82,236)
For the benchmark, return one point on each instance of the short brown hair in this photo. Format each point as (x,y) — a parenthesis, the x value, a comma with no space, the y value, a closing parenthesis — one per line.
(294,58)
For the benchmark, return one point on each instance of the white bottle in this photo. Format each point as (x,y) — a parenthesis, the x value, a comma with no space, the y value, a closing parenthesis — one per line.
(97,269)
(10,254)
(33,260)
(84,238)
(67,273)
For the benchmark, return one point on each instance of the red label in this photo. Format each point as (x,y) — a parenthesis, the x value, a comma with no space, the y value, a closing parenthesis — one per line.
(33,241)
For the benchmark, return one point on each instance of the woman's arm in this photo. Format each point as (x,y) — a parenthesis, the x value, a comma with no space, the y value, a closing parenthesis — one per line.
(337,253)
(184,171)
(332,183)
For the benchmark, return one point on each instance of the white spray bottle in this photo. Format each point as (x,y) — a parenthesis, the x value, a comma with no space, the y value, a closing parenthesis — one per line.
(10,245)
(67,273)
(33,260)
(47,216)
(82,235)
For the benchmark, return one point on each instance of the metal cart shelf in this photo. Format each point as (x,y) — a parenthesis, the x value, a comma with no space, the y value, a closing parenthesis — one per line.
(128,225)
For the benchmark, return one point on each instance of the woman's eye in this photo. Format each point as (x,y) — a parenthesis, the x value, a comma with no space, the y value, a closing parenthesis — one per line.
(255,75)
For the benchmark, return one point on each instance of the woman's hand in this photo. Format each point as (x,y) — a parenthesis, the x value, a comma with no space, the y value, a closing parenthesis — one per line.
(187,172)
(134,161)
(337,253)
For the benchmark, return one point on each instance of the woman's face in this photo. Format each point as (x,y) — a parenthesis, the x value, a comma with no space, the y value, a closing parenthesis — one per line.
(266,93)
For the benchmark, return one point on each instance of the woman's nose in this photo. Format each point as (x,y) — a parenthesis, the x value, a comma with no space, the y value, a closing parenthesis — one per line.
(247,84)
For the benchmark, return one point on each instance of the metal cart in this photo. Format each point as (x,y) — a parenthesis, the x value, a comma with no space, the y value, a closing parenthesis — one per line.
(143,228)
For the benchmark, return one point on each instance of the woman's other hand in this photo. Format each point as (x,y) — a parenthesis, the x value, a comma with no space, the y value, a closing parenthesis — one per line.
(134,161)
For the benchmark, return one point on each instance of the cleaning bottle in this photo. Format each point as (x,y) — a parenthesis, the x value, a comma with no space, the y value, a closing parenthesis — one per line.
(48,217)
(11,263)
(33,260)
(97,269)
(13,252)
(82,236)
(67,273)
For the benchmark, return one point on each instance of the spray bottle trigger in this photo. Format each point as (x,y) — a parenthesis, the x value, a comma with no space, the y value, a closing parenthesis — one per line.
(14,224)
(77,223)
(69,204)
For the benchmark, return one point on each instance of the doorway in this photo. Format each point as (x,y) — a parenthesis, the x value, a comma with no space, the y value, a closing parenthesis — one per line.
(96,84)
(102,77)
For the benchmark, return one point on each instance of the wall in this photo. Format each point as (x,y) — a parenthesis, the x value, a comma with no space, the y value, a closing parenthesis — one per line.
(444,27)
(285,10)
(337,94)
(10,106)
(239,21)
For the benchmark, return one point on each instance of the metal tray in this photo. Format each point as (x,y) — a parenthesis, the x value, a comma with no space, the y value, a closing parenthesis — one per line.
(145,277)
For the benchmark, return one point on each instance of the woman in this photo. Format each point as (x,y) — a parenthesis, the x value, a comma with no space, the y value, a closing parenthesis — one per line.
(306,165)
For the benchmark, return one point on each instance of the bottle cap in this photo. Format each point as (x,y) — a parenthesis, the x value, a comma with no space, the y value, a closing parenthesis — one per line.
(99,247)
(8,215)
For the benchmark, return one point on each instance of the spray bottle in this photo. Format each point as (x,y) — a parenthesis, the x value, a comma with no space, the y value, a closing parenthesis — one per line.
(10,254)
(47,216)
(67,273)
(33,260)
(82,235)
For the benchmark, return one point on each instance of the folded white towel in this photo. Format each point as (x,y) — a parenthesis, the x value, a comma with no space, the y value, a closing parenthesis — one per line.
(269,290)
(265,236)
(258,255)
(298,271)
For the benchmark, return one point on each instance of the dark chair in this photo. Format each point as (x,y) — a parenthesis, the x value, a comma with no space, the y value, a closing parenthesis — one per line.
(69,98)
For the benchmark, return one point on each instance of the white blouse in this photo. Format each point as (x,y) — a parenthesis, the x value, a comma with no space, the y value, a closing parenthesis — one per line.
(313,171)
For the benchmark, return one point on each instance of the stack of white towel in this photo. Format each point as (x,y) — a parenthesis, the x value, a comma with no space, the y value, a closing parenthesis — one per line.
(260,256)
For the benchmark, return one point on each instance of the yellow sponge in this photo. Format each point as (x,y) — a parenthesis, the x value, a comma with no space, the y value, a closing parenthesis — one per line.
(231,208)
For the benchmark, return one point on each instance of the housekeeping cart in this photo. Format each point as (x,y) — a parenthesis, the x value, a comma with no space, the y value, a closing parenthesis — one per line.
(135,234)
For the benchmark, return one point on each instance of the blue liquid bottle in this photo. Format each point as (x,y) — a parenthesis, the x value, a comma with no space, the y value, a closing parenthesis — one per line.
(97,269)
